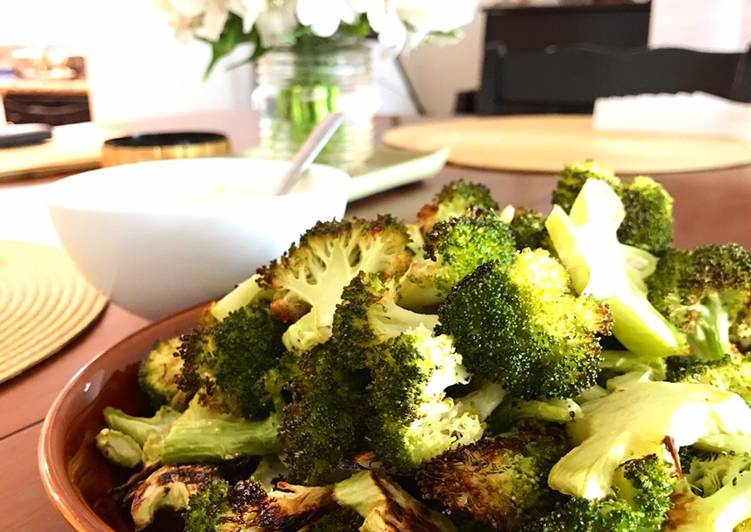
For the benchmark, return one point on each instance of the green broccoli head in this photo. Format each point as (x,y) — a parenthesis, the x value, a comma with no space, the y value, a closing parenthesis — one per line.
(340,520)
(324,423)
(522,327)
(414,420)
(715,497)
(640,502)
(499,481)
(453,249)
(452,201)
(308,280)
(574,176)
(528,227)
(159,373)
(732,373)
(704,292)
(369,315)
(648,224)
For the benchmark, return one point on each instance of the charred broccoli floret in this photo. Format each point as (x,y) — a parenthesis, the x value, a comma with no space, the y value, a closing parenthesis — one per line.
(170,487)
(522,327)
(452,201)
(246,505)
(720,499)
(369,315)
(324,422)
(648,224)
(602,267)
(640,501)
(528,227)
(385,506)
(158,375)
(340,520)
(499,481)
(414,419)
(572,180)
(703,292)
(453,249)
(731,373)
(308,280)
(198,434)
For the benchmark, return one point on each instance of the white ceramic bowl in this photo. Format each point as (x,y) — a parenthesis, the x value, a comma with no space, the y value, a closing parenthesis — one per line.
(161,236)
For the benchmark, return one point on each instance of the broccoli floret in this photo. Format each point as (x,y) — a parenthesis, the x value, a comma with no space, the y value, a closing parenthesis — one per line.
(244,294)
(452,201)
(648,224)
(523,328)
(199,434)
(633,421)
(453,249)
(620,362)
(170,487)
(246,506)
(414,420)
(600,266)
(499,481)
(324,422)
(340,520)
(703,292)
(385,506)
(723,501)
(513,410)
(528,227)
(119,448)
(158,375)
(640,501)
(572,181)
(369,315)
(308,280)
(731,373)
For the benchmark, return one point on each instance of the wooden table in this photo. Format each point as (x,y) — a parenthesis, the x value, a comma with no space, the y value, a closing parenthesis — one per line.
(710,207)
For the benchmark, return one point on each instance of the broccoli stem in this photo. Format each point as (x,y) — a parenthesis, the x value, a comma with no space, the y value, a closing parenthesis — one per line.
(204,435)
(710,339)
(140,428)
(726,508)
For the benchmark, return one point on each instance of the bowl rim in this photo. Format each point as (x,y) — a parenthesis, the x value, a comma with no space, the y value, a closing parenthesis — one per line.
(327,178)
(58,488)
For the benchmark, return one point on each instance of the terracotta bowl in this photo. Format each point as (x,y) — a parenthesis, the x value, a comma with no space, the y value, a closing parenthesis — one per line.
(76,477)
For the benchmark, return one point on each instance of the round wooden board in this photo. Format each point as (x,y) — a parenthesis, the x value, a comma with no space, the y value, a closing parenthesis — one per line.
(44,303)
(545,143)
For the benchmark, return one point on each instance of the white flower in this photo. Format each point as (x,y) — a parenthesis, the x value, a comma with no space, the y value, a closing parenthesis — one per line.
(325,16)
(427,16)
(277,22)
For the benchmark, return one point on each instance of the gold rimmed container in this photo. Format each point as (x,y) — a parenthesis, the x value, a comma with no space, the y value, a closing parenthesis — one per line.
(157,146)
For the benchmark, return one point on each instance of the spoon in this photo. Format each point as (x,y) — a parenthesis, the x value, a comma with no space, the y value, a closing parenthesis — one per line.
(307,153)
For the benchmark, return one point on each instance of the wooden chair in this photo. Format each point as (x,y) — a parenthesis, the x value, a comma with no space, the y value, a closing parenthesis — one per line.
(569,80)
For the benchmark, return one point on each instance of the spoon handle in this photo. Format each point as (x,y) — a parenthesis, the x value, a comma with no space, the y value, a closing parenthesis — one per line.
(309,151)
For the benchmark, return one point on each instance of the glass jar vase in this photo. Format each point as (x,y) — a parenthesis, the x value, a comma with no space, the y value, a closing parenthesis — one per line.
(297,88)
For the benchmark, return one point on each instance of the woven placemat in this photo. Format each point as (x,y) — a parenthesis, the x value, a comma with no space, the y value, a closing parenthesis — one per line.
(44,303)
(545,143)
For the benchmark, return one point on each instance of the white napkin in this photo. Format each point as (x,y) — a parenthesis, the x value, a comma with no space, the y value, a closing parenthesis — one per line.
(695,113)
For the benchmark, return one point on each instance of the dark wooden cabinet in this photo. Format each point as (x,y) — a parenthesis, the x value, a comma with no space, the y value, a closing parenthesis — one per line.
(52,109)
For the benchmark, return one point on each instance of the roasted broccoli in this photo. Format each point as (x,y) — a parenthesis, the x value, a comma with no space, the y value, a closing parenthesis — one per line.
(703,292)
(513,411)
(600,266)
(385,506)
(119,448)
(159,373)
(731,373)
(170,487)
(620,362)
(720,499)
(648,216)
(246,505)
(572,181)
(453,249)
(499,481)
(648,224)
(340,520)
(325,421)
(308,280)
(369,314)
(452,201)
(522,327)
(640,501)
(528,227)
(198,434)
(414,419)
(633,421)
